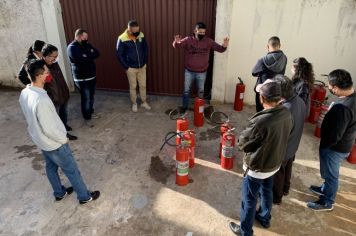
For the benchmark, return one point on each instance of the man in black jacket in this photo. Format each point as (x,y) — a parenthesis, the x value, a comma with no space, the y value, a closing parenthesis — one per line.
(264,142)
(338,133)
(267,67)
(298,109)
(82,56)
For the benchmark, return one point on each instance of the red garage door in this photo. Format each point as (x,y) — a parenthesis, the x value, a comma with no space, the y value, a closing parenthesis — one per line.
(160,20)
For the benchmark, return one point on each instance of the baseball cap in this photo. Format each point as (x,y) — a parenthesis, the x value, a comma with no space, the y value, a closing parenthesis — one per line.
(269,89)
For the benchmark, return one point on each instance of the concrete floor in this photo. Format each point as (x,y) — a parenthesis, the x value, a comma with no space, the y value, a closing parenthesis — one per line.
(120,157)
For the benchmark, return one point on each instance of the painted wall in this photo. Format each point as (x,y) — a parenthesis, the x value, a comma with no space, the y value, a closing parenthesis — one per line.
(22,22)
(323,31)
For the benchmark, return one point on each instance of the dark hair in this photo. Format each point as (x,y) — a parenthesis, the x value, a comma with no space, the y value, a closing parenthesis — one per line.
(48,49)
(37,45)
(200,25)
(341,79)
(271,100)
(79,32)
(35,68)
(286,86)
(274,41)
(132,23)
(304,71)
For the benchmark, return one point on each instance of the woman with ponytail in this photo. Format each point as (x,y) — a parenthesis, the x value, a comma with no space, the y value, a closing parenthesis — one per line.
(34,52)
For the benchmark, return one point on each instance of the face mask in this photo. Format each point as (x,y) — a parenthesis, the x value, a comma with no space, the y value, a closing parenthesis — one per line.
(49,78)
(84,42)
(136,34)
(200,36)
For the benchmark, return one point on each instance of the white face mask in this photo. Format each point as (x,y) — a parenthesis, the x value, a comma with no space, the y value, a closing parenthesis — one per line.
(57,60)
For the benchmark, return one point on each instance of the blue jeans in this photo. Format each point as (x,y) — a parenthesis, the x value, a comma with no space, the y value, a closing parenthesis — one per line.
(329,170)
(189,78)
(63,158)
(62,111)
(87,92)
(252,189)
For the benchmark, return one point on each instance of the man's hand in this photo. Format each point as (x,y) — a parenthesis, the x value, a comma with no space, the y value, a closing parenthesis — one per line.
(226,42)
(177,38)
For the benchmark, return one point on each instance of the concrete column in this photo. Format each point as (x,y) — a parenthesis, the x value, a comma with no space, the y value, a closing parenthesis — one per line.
(223,28)
(52,16)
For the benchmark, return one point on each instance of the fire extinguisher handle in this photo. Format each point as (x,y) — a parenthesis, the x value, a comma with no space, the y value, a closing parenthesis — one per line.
(241,81)
(319,82)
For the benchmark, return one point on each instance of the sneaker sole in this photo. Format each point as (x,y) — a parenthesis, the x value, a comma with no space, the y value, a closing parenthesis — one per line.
(315,192)
(323,209)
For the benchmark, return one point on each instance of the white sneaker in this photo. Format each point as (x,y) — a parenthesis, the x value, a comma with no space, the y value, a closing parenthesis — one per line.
(134,107)
(146,106)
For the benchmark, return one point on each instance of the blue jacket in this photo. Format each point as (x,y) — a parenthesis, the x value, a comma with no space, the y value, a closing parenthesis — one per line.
(132,54)
(82,60)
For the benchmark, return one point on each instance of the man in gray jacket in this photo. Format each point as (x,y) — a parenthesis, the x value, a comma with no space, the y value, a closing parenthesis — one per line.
(297,107)
(264,142)
(50,135)
(274,63)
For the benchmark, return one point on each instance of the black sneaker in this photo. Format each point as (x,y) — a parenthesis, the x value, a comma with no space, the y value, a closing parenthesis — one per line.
(235,228)
(93,196)
(68,128)
(264,224)
(71,137)
(69,191)
(316,190)
(320,206)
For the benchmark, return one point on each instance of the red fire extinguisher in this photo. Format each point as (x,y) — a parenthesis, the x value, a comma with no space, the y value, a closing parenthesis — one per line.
(223,129)
(227,150)
(315,110)
(182,125)
(198,112)
(239,95)
(189,138)
(183,153)
(352,156)
(324,110)
(182,164)
(319,91)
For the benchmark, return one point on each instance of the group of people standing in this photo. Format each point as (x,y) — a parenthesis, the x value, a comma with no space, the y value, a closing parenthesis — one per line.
(271,139)
(44,101)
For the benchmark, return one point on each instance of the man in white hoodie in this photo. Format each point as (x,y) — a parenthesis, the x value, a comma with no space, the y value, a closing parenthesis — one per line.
(49,134)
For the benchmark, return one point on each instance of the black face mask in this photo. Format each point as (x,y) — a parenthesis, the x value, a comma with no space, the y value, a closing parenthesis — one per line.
(84,42)
(136,34)
(200,36)
(331,91)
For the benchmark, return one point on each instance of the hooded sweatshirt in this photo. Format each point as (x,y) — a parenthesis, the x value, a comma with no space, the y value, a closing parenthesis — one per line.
(274,63)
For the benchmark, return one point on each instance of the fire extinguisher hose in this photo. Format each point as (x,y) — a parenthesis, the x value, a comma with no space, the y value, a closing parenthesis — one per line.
(214,115)
(175,114)
(168,137)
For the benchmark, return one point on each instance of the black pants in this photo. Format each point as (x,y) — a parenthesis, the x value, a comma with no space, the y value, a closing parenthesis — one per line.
(281,180)
(259,106)
(87,92)
(62,111)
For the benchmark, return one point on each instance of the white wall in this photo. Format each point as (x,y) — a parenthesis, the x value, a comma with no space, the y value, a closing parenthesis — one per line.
(22,22)
(323,31)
